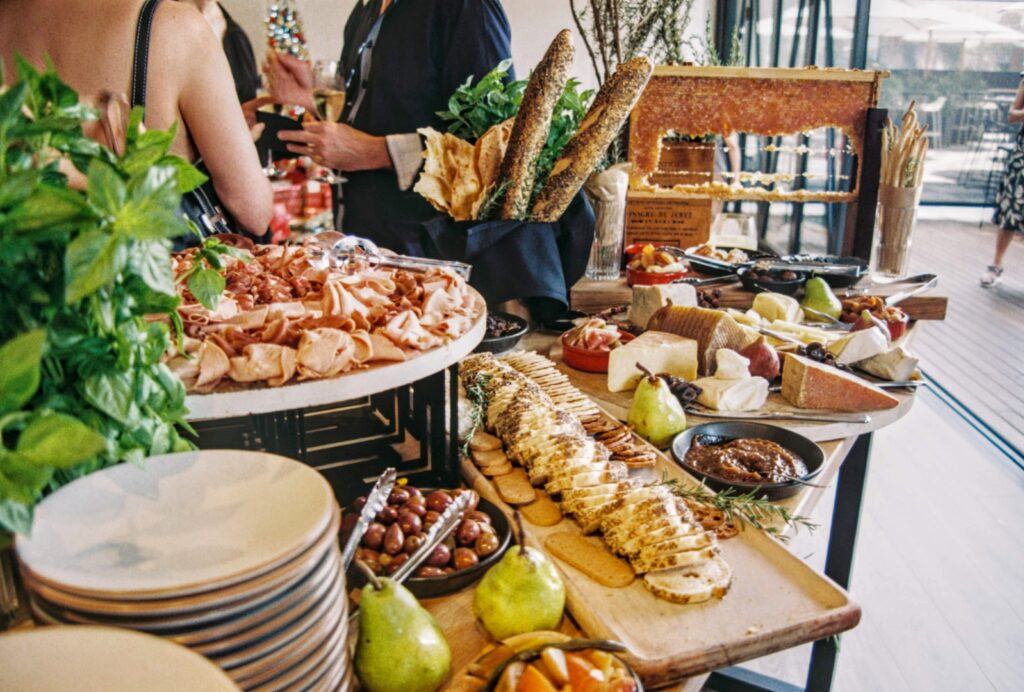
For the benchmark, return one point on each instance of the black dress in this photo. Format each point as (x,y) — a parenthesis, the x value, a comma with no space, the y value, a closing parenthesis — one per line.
(1010,198)
(241,58)
(425,50)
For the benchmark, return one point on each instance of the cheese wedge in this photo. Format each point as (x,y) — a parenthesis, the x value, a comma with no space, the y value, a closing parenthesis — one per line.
(712,329)
(859,345)
(895,365)
(647,300)
(776,306)
(809,384)
(732,395)
(656,351)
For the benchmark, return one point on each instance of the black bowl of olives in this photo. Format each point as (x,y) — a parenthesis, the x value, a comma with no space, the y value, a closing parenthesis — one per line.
(480,539)
(784,281)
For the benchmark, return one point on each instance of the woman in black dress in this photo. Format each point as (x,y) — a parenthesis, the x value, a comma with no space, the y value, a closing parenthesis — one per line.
(1009,216)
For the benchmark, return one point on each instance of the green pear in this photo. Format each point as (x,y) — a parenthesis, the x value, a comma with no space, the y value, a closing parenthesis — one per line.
(819,296)
(655,414)
(522,593)
(400,647)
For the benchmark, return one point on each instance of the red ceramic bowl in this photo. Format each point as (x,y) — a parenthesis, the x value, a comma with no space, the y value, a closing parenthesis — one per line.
(587,360)
(638,277)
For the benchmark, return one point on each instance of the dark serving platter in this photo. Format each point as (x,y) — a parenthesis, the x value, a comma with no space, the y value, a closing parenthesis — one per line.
(429,587)
(775,284)
(833,280)
(721,267)
(505,342)
(811,453)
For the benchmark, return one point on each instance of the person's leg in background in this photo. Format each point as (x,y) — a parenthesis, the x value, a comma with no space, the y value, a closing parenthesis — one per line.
(994,274)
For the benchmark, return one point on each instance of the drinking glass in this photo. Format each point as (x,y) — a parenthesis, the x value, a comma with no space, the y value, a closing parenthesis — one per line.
(734,230)
(894,228)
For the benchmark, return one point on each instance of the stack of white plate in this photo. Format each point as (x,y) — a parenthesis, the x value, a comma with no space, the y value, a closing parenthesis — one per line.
(232,554)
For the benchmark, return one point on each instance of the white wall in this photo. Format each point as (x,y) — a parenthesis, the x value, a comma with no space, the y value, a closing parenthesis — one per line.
(534,24)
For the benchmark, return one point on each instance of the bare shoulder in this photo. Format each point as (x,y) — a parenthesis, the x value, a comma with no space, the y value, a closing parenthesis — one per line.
(179,27)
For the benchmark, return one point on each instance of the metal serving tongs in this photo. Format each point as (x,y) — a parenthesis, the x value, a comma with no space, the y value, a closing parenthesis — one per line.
(930,281)
(349,253)
(818,416)
(375,502)
(439,530)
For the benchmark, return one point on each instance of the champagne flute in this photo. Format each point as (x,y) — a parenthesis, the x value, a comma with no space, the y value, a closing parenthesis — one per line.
(329,97)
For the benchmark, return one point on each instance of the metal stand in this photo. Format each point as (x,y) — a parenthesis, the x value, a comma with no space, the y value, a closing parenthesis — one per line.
(352,442)
(842,544)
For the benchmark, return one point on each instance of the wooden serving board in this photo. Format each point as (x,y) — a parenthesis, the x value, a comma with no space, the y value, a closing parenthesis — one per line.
(595,385)
(594,296)
(775,602)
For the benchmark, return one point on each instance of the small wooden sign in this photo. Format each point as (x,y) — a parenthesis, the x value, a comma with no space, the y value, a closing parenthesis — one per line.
(662,220)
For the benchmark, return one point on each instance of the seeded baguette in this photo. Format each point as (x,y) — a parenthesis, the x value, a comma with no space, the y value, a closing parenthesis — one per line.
(530,130)
(598,128)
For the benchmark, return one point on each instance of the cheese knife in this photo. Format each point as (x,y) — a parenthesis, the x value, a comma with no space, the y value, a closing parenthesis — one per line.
(817,416)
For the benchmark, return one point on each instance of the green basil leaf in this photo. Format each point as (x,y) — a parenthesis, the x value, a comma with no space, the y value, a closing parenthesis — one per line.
(114,395)
(15,517)
(189,177)
(21,480)
(92,260)
(134,125)
(151,262)
(11,102)
(19,376)
(138,161)
(107,190)
(18,187)
(50,206)
(151,210)
(59,440)
(207,285)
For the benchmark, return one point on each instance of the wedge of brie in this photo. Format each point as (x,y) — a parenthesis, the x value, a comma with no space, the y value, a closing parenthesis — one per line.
(859,345)
(895,365)
(732,388)
(656,351)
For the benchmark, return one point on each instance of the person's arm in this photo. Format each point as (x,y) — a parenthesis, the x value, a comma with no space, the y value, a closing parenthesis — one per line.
(1016,114)
(213,116)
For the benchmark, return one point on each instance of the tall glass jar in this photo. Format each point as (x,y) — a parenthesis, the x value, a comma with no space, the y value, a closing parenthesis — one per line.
(894,230)
(607,193)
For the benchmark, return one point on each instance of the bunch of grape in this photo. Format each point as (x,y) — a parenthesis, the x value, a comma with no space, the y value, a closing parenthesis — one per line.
(817,351)
(686,392)
(709,298)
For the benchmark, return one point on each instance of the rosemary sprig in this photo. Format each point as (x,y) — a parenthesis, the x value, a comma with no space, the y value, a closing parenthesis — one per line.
(476,392)
(746,508)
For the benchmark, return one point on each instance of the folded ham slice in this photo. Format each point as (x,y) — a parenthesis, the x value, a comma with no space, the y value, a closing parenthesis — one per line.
(271,362)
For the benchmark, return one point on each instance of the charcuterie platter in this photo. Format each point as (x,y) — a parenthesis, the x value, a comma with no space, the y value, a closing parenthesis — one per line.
(271,328)
(741,596)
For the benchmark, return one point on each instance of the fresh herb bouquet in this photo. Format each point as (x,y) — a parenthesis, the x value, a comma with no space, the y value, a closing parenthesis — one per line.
(82,385)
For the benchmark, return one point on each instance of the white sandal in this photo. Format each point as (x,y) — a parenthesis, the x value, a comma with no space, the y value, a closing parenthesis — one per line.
(992,276)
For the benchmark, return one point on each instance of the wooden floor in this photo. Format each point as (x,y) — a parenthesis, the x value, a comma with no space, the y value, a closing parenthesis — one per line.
(978,352)
(939,570)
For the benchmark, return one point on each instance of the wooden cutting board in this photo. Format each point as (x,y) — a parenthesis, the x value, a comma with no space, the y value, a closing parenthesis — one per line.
(775,602)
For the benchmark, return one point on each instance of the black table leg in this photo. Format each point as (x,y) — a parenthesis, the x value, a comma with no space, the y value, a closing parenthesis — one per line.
(842,543)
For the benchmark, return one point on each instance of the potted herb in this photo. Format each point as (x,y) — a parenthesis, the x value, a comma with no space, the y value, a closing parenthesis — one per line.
(87,295)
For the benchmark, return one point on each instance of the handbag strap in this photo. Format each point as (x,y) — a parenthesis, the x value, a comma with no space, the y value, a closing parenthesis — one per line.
(140,59)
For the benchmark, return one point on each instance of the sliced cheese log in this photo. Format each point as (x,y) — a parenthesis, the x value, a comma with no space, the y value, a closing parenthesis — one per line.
(809,384)
(656,351)
(647,300)
(655,563)
(615,472)
(895,365)
(859,345)
(748,394)
(712,329)
(693,584)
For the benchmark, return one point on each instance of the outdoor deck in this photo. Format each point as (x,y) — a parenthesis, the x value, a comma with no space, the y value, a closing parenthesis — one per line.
(976,353)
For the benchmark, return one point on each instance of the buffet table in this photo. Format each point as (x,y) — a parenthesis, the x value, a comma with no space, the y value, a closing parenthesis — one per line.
(846,462)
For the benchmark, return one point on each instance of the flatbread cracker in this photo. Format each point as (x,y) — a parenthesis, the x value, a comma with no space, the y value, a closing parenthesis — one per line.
(484,442)
(543,511)
(514,488)
(496,469)
(494,457)
(590,557)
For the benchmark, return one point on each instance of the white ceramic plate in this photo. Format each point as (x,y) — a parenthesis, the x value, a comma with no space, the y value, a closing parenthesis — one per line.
(183,524)
(103,659)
